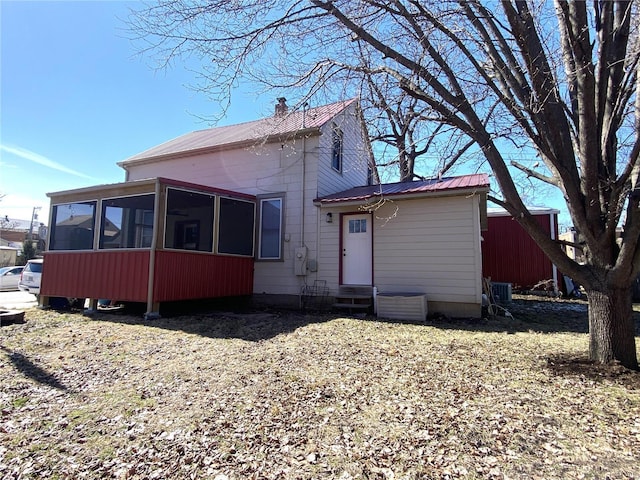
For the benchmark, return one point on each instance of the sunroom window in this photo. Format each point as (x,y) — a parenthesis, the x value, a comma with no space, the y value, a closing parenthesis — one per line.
(189,220)
(127,222)
(73,226)
(235,229)
(270,235)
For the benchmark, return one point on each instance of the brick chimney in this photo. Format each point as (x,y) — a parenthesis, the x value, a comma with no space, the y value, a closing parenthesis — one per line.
(281,107)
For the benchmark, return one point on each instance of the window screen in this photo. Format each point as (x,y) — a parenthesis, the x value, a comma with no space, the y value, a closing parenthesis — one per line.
(127,222)
(73,226)
(236,227)
(189,221)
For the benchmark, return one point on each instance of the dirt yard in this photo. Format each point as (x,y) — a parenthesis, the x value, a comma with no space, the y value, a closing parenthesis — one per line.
(272,395)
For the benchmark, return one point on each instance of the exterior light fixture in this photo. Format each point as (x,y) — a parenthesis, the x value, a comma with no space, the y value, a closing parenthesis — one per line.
(329,217)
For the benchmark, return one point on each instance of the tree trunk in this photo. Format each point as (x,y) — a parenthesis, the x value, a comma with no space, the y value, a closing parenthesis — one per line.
(611,327)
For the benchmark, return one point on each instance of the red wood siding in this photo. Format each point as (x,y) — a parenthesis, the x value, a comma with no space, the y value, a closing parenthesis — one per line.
(188,275)
(510,255)
(120,275)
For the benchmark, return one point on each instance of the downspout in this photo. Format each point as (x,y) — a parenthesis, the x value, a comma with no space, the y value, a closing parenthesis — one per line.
(150,314)
(304,168)
(554,269)
(302,188)
(477,200)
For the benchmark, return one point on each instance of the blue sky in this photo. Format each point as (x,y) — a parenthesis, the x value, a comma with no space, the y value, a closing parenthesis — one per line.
(76,98)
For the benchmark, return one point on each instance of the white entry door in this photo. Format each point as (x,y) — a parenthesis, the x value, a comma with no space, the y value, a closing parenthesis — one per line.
(357,249)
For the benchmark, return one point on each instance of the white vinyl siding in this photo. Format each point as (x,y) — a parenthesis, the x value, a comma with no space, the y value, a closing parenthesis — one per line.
(272,169)
(264,170)
(430,246)
(354,171)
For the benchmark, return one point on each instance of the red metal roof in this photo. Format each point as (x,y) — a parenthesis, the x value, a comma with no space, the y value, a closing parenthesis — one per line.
(280,125)
(417,188)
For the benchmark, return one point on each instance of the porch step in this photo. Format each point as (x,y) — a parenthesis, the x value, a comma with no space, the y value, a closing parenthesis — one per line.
(349,290)
(354,297)
(359,306)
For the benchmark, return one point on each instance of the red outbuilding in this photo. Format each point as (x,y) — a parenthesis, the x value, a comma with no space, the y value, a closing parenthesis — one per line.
(509,254)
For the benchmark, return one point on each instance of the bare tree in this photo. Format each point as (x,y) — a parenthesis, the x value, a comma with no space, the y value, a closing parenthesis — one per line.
(5,222)
(394,121)
(557,79)
(405,128)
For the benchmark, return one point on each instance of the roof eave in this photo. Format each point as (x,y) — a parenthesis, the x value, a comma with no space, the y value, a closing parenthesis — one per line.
(102,187)
(372,199)
(532,211)
(219,148)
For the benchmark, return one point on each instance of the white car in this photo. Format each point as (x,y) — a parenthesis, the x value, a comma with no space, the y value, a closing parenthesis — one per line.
(31,275)
(9,277)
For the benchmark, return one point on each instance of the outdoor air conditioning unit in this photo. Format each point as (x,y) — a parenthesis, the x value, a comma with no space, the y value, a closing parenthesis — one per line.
(501,292)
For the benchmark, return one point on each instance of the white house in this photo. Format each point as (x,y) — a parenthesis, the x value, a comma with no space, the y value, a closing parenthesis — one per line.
(424,238)
(319,220)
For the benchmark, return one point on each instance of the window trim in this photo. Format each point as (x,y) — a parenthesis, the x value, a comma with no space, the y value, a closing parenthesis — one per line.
(337,148)
(260,201)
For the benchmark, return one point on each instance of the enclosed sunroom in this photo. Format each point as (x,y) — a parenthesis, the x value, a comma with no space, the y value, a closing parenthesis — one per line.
(149,241)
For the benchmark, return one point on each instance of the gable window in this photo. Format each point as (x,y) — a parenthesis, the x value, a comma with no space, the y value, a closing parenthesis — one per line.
(127,222)
(337,140)
(73,226)
(270,232)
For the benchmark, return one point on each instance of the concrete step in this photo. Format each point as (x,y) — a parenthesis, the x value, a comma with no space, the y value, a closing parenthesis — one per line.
(354,297)
(348,290)
(362,306)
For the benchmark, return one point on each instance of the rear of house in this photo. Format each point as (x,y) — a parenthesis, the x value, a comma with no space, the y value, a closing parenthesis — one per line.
(268,208)
(419,237)
(279,163)
(285,161)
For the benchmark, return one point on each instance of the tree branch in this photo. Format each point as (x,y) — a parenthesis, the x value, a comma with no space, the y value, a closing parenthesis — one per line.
(534,174)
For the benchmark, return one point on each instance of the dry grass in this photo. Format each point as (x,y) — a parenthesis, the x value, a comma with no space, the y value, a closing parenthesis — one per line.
(289,396)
